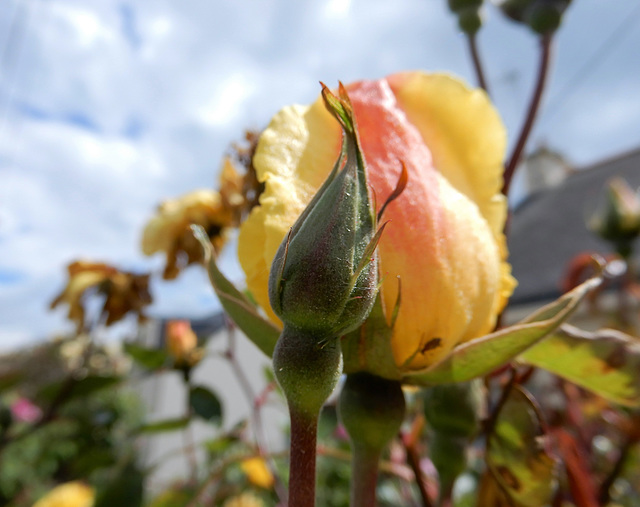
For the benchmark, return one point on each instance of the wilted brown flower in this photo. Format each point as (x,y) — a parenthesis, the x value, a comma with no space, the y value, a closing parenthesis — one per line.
(123,292)
(231,189)
(169,230)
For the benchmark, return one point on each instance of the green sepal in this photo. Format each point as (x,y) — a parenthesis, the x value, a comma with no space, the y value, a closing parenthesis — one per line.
(541,16)
(482,355)
(324,279)
(259,330)
(368,348)
(605,362)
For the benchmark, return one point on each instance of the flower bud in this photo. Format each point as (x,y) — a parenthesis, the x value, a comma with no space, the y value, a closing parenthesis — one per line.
(618,217)
(453,412)
(371,409)
(542,16)
(469,20)
(458,5)
(182,344)
(469,14)
(454,409)
(324,279)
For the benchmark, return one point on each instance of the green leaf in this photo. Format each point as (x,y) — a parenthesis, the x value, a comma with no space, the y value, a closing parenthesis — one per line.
(93,383)
(482,355)
(605,362)
(259,330)
(205,404)
(164,425)
(151,359)
(124,489)
(516,452)
(10,380)
(70,388)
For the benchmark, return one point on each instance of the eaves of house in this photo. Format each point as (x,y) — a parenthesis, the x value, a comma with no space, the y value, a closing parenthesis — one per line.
(549,228)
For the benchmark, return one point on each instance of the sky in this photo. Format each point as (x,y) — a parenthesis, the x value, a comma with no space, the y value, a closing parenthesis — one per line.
(107,107)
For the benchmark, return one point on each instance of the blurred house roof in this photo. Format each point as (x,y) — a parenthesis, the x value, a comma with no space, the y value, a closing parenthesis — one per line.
(548,228)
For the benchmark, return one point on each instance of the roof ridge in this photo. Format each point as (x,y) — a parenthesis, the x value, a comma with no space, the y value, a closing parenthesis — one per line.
(631,152)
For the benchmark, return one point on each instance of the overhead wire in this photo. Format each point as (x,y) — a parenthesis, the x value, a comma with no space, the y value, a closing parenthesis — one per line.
(578,78)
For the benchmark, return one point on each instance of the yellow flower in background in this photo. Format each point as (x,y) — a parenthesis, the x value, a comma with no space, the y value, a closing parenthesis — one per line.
(123,292)
(244,500)
(257,472)
(169,231)
(444,240)
(70,494)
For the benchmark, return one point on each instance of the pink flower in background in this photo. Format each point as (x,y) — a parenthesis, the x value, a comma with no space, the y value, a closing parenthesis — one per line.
(23,410)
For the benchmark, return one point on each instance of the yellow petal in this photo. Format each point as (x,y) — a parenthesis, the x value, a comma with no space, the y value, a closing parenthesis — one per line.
(464,133)
(467,141)
(70,494)
(294,155)
(445,238)
(257,472)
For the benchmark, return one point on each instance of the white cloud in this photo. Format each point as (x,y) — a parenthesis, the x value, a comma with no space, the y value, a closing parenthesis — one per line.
(109,106)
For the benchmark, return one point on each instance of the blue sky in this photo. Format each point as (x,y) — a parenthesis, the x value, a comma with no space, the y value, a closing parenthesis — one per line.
(109,106)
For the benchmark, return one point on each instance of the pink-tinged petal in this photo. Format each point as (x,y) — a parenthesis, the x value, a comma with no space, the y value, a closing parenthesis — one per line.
(444,240)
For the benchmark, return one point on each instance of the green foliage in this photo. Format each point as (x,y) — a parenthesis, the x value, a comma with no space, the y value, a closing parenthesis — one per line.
(241,310)
(164,425)
(482,355)
(150,359)
(205,404)
(606,362)
(517,451)
(88,438)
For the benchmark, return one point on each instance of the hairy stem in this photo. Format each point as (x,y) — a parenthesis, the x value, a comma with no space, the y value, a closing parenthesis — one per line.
(302,475)
(307,367)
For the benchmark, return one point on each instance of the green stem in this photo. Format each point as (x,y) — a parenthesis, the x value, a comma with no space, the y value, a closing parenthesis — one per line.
(365,476)
(372,410)
(307,367)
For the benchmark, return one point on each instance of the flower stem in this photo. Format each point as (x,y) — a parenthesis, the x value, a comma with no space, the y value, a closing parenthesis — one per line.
(372,410)
(477,64)
(365,476)
(302,475)
(534,105)
(308,368)
(413,458)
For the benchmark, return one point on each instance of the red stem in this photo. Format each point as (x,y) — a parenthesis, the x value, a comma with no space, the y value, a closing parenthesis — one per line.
(413,457)
(302,463)
(365,476)
(477,64)
(545,59)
